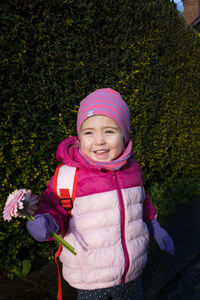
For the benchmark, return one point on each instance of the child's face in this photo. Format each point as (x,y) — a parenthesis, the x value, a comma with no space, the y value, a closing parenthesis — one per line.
(101,139)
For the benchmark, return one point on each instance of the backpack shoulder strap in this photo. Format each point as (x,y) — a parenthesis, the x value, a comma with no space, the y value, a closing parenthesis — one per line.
(64,185)
(64,188)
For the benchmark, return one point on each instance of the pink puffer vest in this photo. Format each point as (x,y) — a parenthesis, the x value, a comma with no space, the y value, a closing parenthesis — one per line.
(109,235)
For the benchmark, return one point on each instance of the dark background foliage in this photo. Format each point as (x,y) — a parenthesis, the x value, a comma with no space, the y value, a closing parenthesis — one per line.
(53,54)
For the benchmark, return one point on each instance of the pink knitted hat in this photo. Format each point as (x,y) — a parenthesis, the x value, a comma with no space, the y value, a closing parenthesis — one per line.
(106,102)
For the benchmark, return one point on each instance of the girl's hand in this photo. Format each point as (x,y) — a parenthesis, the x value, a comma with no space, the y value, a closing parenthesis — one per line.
(161,236)
(41,227)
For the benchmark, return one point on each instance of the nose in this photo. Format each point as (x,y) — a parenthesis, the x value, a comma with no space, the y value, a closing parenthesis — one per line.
(100,139)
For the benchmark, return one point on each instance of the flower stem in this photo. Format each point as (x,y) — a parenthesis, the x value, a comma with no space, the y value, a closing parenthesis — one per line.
(62,242)
(29,217)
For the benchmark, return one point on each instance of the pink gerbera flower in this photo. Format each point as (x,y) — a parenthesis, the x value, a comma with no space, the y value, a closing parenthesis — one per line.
(20,203)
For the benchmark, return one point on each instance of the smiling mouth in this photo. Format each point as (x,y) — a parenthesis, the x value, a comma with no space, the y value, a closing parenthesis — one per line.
(101,151)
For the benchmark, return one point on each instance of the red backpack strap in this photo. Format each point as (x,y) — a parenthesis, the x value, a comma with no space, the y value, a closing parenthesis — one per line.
(57,254)
(55,181)
(64,185)
(64,188)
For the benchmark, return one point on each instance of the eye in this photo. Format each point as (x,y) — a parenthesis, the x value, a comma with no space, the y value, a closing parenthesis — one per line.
(88,132)
(109,131)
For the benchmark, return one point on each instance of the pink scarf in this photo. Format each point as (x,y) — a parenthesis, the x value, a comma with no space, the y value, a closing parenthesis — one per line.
(114,164)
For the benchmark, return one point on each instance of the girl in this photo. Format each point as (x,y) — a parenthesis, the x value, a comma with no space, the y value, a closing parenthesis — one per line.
(112,215)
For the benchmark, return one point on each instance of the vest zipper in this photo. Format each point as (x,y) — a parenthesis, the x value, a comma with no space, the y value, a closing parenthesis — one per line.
(122,214)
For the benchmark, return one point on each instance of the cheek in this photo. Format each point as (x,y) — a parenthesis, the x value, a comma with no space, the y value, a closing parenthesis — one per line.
(120,148)
(81,144)
(84,145)
(118,145)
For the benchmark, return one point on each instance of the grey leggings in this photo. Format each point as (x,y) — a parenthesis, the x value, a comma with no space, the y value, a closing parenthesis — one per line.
(128,291)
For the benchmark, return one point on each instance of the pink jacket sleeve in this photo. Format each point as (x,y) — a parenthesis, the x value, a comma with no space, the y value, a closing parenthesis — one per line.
(50,205)
(149,211)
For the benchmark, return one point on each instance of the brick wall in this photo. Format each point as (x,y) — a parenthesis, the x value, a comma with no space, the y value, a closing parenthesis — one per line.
(191,10)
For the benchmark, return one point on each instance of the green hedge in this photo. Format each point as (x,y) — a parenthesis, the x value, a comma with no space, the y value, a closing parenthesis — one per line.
(56,52)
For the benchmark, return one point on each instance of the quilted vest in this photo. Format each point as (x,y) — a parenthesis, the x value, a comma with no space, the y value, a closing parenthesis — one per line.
(110,238)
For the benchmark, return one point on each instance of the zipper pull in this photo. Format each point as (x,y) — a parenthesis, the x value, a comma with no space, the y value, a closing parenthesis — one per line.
(114,177)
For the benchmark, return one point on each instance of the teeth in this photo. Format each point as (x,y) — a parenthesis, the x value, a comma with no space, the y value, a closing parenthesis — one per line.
(100,151)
